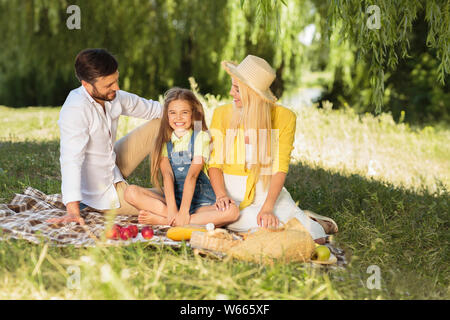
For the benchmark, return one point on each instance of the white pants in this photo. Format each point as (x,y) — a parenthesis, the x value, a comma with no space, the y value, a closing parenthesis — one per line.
(285,207)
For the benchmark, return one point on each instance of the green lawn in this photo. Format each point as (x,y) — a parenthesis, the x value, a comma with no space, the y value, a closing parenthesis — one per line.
(385,184)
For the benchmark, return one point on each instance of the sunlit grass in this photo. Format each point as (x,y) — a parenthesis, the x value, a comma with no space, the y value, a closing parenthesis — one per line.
(374,147)
(339,140)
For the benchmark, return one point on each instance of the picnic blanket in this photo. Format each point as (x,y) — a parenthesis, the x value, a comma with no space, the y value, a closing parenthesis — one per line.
(25,218)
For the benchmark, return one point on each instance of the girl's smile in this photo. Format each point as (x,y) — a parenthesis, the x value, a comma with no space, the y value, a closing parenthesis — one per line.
(180,116)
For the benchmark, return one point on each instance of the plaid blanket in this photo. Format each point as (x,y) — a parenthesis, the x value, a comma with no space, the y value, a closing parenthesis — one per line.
(25,216)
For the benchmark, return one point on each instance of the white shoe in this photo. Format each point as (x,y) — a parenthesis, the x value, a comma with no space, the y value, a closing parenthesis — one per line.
(318,217)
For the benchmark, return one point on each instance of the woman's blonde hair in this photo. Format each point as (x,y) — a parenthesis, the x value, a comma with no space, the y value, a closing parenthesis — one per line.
(165,130)
(256,118)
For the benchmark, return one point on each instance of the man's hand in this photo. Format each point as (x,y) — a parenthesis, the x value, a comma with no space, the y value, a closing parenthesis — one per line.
(73,214)
(267,219)
(68,218)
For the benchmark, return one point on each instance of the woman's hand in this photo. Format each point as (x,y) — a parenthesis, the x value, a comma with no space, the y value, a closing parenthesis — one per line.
(182,218)
(267,219)
(223,203)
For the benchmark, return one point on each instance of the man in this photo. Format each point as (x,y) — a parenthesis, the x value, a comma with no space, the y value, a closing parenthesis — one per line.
(93,167)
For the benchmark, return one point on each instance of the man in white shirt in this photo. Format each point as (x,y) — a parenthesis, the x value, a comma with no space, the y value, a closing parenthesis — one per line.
(93,165)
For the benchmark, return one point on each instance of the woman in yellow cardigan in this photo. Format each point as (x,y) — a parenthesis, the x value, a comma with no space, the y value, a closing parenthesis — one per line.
(252,143)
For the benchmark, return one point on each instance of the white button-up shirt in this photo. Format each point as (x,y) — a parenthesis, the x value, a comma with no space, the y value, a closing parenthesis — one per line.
(88,160)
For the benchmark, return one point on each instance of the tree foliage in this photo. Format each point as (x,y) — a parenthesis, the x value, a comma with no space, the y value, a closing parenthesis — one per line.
(379,50)
(404,64)
(158,43)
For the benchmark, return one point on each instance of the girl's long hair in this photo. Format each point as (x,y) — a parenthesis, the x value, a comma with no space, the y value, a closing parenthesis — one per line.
(165,131)
(256,118)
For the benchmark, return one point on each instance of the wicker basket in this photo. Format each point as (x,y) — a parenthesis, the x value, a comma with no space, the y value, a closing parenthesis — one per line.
(290,243)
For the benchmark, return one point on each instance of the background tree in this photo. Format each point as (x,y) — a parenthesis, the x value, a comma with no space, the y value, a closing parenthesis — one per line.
(404,64)
(159,44)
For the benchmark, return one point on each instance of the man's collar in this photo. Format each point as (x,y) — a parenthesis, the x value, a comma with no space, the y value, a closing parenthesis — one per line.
(83,89)
(92,100)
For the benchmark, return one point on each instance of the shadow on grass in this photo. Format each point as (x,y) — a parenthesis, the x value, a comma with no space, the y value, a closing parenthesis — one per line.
(36,164)
(402,232)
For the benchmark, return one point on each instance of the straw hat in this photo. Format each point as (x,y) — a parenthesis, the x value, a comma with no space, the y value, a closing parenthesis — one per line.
(256,73)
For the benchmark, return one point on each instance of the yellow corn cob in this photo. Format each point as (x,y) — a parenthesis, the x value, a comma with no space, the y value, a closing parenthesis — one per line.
(183,233)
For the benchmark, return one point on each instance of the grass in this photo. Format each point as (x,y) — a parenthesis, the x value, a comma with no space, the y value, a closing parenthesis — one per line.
(385,184)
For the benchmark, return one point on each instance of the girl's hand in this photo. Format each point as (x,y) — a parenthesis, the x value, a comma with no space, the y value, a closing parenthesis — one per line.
(223,203)
(182,218)
(267,219)
(172,213)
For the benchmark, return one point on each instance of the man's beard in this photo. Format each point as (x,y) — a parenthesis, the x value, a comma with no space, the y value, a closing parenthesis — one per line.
(103,97)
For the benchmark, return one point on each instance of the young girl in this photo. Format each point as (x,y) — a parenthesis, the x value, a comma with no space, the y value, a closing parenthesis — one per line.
(179,157)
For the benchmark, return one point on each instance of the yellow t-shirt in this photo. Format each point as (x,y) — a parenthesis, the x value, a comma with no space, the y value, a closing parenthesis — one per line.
(283,135)
(201,145)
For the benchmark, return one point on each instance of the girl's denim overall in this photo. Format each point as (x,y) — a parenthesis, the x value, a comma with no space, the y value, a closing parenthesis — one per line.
(181,161)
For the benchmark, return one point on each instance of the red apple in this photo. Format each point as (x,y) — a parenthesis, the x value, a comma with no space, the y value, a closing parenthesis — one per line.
(125,234)
(134,230)
(112,234)
(117,227)
(147,232)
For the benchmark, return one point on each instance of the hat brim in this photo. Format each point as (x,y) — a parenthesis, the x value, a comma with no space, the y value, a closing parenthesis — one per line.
(231,69)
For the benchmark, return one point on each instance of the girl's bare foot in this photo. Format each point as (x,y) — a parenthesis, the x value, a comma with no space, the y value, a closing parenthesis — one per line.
(146,217)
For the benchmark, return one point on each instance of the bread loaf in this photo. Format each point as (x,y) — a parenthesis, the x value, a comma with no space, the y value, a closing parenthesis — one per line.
(218,240)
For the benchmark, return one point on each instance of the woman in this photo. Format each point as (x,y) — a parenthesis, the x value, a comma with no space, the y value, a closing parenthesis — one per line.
(252,142)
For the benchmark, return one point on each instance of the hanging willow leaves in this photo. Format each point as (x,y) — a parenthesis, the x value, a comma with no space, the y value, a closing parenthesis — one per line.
(380,47)
(161,43)
(158,43)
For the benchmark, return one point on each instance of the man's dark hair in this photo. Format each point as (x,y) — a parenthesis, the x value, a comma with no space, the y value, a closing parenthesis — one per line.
(94,63)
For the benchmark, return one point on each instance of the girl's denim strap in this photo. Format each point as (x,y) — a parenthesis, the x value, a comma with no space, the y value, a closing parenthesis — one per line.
(169,145)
